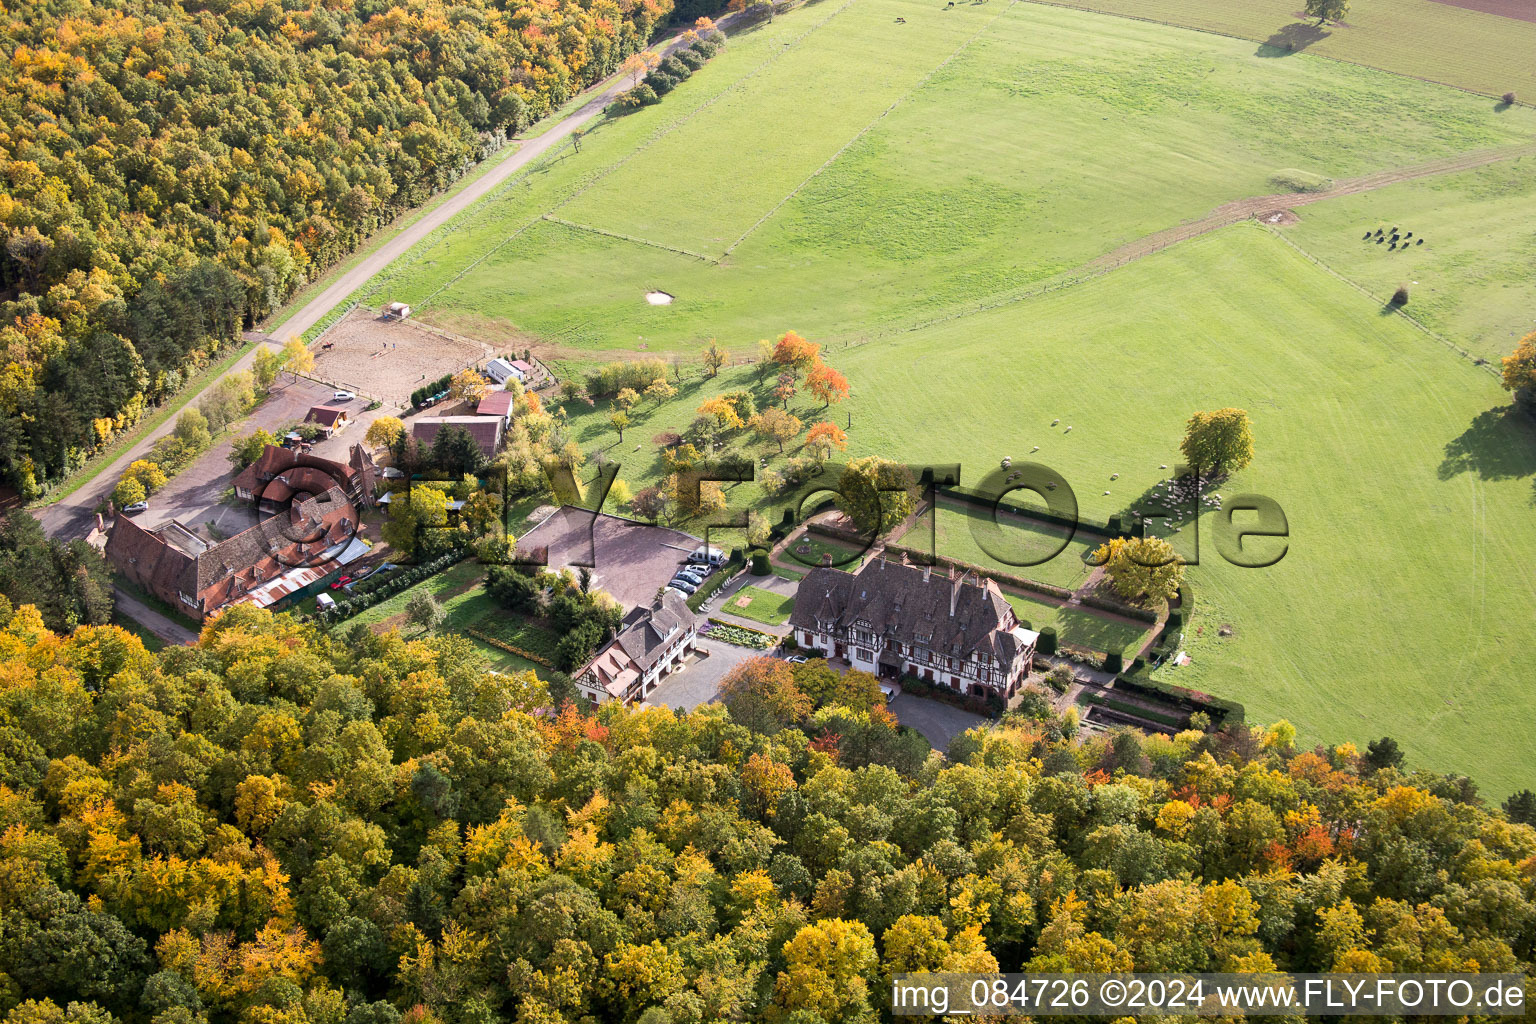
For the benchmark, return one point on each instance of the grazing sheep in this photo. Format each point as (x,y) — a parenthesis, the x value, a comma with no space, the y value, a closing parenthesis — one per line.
(1067,431)
(1366,235)
(1114,476)
(1034,449)
(1419,242)
(1055,421)
(1408,235)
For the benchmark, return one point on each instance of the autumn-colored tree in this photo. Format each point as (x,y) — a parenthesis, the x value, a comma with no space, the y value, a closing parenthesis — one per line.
(829,966)
(722,412)
(826,384)
(823,437)
(383,432)
(785,389)
(1218,442)
(638,65)
(1519,372)
(795,354)
(619,419)
(147,473)
(775,425)
(297,358)
(265,365)
(1144,569)
(649,503)
(128,492)
(761,694)
(468,385)
(713,357)
(660,391)
(627,399)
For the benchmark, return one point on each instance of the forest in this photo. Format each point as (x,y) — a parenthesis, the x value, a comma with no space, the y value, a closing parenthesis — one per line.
(280,826)
(175,171)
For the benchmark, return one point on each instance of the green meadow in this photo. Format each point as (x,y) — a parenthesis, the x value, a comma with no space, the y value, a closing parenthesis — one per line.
(926,199)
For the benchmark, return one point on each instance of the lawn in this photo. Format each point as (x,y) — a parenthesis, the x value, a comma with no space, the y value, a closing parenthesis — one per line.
(1438,41)
(761,605)
(468,606)
(933,222)
(953,534)
(1080,626)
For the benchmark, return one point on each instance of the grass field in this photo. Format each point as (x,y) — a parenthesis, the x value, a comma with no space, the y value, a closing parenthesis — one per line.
(1472,281)
(929,250)
(1080,626)
(1436,41)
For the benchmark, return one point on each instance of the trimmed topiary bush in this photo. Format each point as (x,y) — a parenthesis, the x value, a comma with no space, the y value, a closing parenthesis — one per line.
(1047,643)
(1114,661)
(760,565)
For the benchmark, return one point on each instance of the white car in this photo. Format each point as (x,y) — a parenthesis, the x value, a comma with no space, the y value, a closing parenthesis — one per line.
(136,508)
(344,396)
(796,659)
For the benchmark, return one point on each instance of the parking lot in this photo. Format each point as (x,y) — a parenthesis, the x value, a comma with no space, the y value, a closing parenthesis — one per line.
(699,682)
(630,560)
(938,722)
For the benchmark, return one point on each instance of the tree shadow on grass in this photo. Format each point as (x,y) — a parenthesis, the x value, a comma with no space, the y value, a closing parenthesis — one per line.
(1499,445)
(1294,38)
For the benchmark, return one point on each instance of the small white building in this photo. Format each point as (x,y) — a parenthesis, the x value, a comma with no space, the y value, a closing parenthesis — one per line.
(397,310)
(501,371)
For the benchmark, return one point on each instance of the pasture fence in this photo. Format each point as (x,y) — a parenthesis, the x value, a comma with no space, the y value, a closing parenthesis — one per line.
(1476,360)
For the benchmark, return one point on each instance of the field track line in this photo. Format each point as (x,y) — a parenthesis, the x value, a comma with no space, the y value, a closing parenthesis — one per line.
(661,133)
(866,129)
(1242,209)
(667,129)
(1218,218)
(628,238)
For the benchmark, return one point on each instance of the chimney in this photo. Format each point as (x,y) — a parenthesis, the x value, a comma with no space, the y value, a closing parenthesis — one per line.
(927,572)
(954,597)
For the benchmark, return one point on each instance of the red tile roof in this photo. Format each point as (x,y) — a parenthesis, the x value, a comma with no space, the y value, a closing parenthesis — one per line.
(497,403)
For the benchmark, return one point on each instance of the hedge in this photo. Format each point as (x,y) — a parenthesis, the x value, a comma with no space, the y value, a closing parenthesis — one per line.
(719,579)
(388,586)
(1130,611)
(980,502)
(513,648)
(1047,642)
(1222,711)
(425,392)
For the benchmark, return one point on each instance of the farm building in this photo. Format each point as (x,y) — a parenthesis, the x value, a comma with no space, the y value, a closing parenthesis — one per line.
(329,419)
(279,473)
(653,644)
(260,566)
(486,430)
(895,620)
(397,310)
(497,403)
(501,371)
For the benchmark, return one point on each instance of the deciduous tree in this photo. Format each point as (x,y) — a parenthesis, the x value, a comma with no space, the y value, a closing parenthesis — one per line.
(1219,442)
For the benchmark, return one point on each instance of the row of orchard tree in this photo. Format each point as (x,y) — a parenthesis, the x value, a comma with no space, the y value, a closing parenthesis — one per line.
(174,171)
(280,825)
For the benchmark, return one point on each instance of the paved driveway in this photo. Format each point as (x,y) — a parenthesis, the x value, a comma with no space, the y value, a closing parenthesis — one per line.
(699,683)
(938,722)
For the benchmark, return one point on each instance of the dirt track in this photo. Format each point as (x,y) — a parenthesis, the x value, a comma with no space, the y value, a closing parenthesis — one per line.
(1242,209)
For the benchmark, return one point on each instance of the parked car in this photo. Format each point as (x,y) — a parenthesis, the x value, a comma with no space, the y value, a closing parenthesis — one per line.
(344,396)
(692,577)
(796,659)
(136,508)
(341,582)
(677,587)
(889,692)
(683,585)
